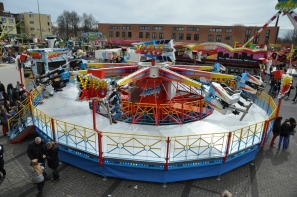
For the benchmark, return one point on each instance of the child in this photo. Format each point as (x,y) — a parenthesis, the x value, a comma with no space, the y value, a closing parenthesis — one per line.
(37,177)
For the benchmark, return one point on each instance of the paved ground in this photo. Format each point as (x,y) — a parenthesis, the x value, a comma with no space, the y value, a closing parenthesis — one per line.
(273,174)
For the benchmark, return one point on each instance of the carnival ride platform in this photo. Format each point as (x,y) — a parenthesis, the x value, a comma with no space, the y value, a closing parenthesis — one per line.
(208,147)
(65,107)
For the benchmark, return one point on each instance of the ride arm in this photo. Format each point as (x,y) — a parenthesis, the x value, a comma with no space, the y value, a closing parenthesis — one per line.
(197,73)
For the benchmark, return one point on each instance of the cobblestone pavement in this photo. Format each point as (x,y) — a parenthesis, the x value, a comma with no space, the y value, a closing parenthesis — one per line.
(271,174)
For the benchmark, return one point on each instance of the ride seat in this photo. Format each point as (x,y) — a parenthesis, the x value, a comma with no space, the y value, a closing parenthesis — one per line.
(232,92)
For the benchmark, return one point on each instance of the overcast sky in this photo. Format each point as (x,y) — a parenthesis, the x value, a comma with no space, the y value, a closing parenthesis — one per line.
(200,12)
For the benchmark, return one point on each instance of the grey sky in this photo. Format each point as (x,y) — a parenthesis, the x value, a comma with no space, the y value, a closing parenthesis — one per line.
(200,12)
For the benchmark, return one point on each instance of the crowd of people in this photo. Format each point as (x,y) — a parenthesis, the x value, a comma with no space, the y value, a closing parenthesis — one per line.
(38,153)
(10,103)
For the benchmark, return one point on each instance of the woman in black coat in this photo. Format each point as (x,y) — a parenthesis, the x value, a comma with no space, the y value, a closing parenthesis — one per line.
(53,159)
(276,129)
(284,134)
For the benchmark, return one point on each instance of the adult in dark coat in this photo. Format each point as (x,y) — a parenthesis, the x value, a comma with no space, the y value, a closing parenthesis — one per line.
(276,129)
(36,150)
(284,134)
(2,170)
(2,87)
(53,159)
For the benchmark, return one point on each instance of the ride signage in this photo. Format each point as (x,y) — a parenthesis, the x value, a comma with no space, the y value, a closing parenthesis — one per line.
(286,5)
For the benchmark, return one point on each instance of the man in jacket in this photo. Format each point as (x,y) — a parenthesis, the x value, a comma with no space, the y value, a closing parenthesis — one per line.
(36,150)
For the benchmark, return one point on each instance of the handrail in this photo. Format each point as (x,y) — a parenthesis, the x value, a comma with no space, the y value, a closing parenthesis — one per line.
(125,145)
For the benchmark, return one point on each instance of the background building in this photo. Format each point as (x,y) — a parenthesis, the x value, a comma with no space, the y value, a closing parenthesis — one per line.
(188,33)
(7,23)
(37,25)
(33,25)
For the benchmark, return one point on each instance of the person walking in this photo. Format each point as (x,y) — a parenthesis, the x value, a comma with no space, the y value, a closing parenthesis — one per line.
(284,134)
(37,170)
(36,150)
(295,97)
(52,159)
(292,131)
(276,130)
(2,170)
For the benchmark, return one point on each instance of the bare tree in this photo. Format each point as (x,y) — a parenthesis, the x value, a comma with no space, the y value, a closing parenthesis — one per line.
(238,25)
(63,22)
(289,38)
(74,19)
(89,23)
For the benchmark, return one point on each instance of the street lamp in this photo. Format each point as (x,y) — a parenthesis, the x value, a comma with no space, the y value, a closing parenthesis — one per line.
(39,20)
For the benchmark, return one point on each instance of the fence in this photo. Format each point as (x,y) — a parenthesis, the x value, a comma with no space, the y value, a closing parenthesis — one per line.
(158,152)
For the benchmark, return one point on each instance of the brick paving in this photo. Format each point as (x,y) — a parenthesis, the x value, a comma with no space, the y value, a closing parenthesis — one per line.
(272,174)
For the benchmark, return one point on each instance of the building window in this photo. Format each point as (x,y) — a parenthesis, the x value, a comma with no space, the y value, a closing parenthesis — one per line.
(181,36)
(228,38)
(48,24)
(189,36)
(158,28)
(177,28)
(111,34)
(114,27)
(124,34)
(215,30)
(247,35)
(31,15)
(267,37)
(173,36)
(210,38)
(193,29)
(256,31)
(140,34)
(196,37)
(228,30)
(126,27)
(248,32)
(144,27)
(219,38)
(31,22)
(129,34)
(256,40)
(161,35)
(10,21)
(3,20)
(117,34)
(48,18)
(147,34)
(32,28)
(154,35)
(33,35)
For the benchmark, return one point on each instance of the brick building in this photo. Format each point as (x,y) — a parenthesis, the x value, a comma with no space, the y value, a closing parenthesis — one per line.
(188,33)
